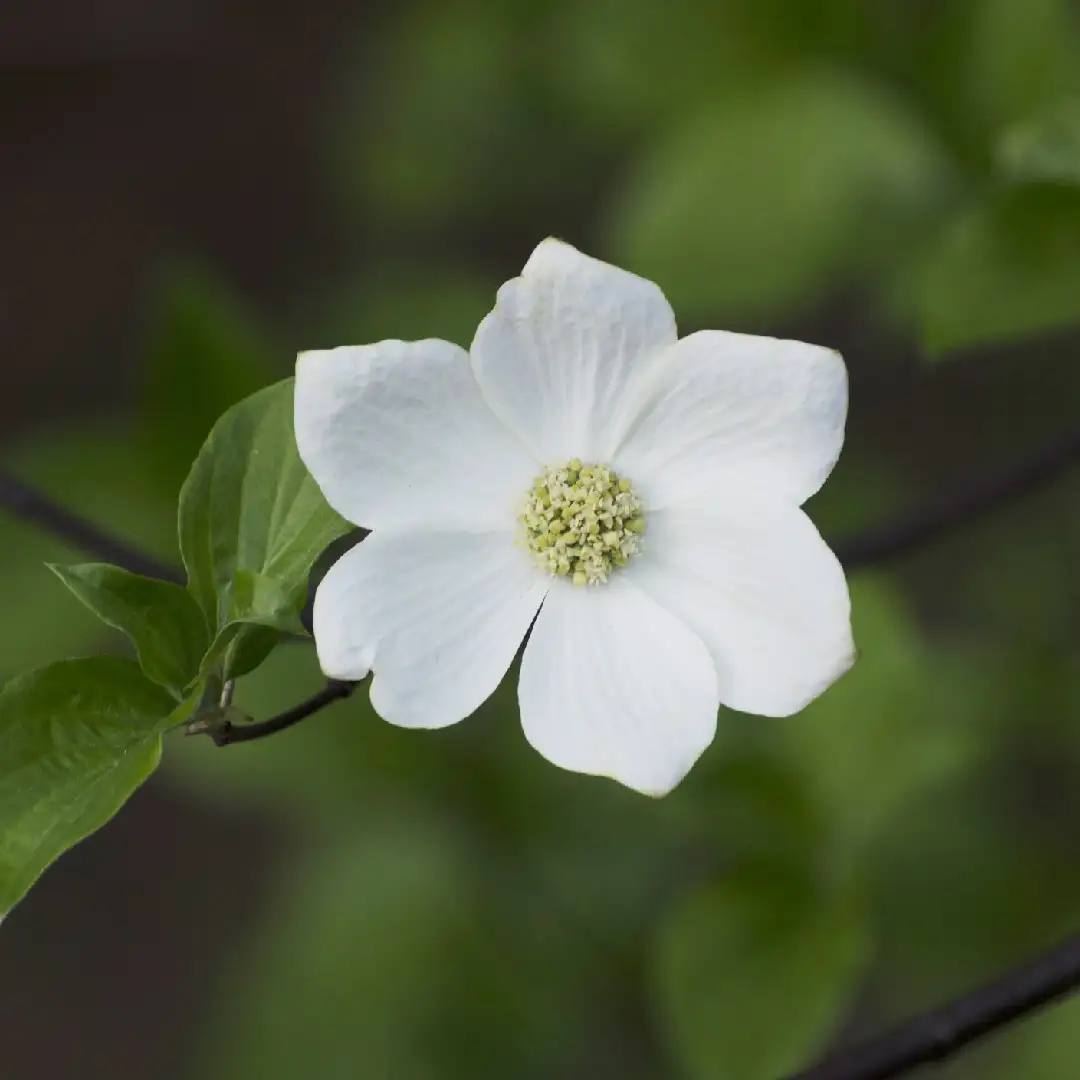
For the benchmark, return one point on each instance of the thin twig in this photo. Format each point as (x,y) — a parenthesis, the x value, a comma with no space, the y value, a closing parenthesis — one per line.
(874,545)
(914,529)
(940,1033)
(26,503)
(228,732)
(929,1037)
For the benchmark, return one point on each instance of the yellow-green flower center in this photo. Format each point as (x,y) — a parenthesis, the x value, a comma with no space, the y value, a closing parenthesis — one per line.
(582,521)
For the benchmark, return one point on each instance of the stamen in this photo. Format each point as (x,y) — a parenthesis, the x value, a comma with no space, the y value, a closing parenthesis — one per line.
(582,521)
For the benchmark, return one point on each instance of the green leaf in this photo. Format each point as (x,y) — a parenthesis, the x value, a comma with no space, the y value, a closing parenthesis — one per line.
(258,614)
(693,52)
(764,204)
(76,740)
(953,904)
(755,973)
(1016,59)
(203,352)
(902,722)
(163,621)
(252,520)
(753,806)
(1009,269)
(93,471)
(432,152)
(1046,150)
(400,960)
(891,728)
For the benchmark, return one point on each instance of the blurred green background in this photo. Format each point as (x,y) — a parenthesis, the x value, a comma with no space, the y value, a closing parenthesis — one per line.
(193,190)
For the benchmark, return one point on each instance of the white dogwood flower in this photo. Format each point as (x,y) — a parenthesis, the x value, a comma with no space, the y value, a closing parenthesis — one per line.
(635,494)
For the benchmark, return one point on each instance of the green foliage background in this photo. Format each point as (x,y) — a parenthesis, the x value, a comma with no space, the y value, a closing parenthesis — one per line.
(900,180)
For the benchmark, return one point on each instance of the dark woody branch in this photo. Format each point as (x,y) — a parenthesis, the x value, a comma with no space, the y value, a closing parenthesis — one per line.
(929,1037)
(875,545)
(227,732)
(914,529)
(940,1033)
(31,506)
(879,543)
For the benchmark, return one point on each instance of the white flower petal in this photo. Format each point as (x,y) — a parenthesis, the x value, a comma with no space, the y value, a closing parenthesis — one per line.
(613,685)
(761,588)
(732,413)
(558,356)
(437,616)
(397,434)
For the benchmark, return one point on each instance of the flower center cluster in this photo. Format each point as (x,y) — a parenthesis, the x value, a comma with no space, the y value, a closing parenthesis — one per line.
(582,521)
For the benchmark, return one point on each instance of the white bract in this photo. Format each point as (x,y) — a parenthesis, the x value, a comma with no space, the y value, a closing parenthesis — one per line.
(637,495)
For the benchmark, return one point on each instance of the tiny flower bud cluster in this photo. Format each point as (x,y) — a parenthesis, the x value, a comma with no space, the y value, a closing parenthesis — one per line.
(582,521)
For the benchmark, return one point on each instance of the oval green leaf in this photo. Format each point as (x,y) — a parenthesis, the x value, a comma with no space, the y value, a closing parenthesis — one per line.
(251,512)
(257,615)
(76,740)
(763,203)
(755,973)
(163,621)
(404,970)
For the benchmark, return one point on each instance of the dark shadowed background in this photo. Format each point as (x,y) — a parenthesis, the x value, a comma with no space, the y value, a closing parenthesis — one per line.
(191,191)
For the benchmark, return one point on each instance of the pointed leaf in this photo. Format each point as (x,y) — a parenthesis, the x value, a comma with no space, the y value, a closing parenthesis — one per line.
(76,740)
(764,202)
(403,964)
(165,624)
(891,730)
(754,974)
(257,615)
(249,506)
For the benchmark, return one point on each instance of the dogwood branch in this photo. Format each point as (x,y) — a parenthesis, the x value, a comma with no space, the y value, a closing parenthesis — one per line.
(926,1038)
(228,733)
(940,1033)
(879,543)
(912,530)
(36,509)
